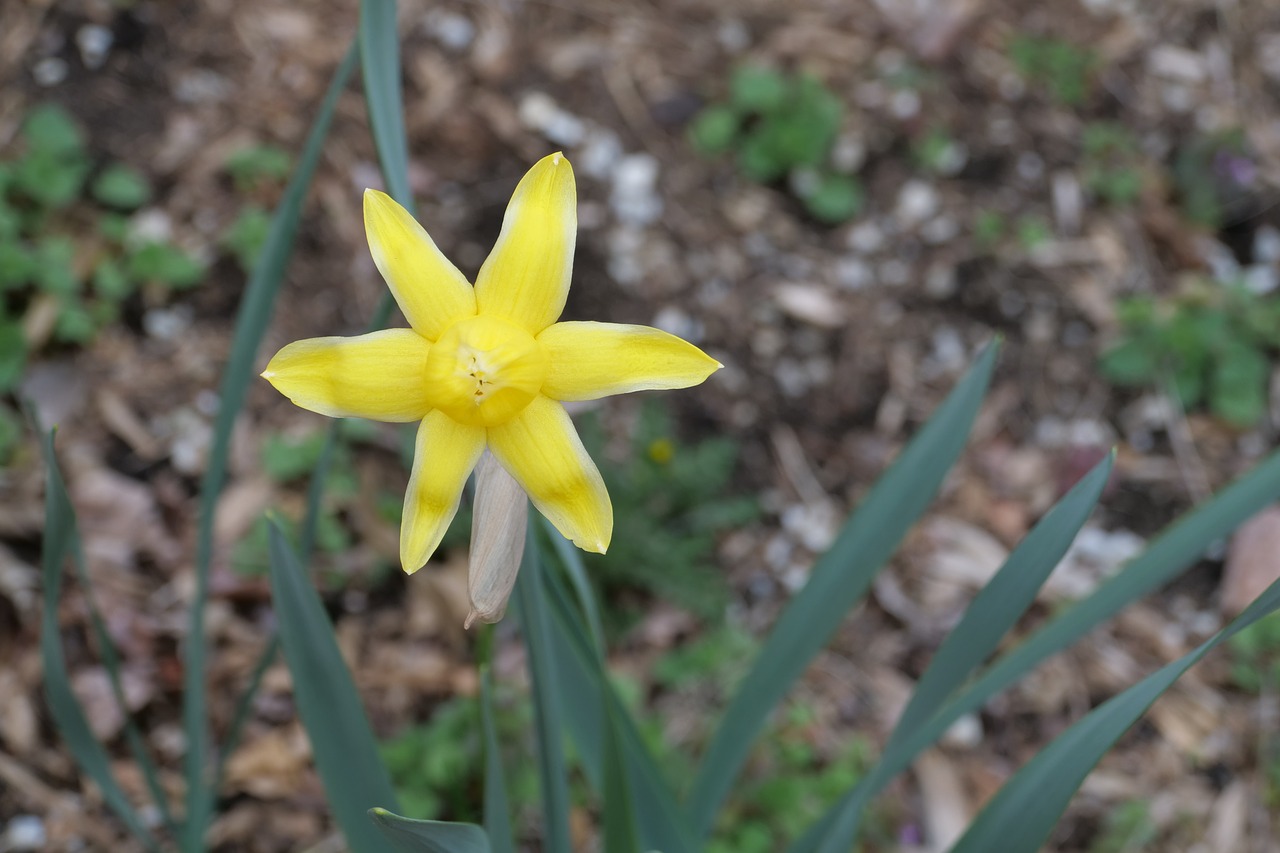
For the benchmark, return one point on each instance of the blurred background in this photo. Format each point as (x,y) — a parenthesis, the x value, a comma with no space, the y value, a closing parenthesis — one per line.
(841,201)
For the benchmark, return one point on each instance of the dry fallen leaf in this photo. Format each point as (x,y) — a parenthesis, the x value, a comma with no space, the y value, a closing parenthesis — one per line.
(1253,561)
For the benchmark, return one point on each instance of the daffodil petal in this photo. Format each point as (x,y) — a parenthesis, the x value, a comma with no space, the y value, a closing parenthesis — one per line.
(525,279)
(593,360)
(541,449)
(377,376)
(429,290)
(443,456)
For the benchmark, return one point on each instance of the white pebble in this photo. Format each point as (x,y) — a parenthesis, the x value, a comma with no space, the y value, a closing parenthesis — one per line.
(49,71)
(917,201)
(24,832)
(94,42)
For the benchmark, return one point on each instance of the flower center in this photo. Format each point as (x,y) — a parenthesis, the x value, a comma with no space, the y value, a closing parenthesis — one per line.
(483,371)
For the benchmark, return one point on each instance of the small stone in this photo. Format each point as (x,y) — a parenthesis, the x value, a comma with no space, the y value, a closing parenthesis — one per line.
(1266,245)
(167,324)
(452,30)
(679,323)
(600,153)
(904,104)
(813,525)
(866,238)
(849,154)
(810,303)
(1176,63)
(894,272)
(633,198)
(1029,166)
(49,71)
(917,201)
(940,280)
(201,86)
(1260,278)
(940,230)
(94,42)
(24,832)
(853,274)
(964,733)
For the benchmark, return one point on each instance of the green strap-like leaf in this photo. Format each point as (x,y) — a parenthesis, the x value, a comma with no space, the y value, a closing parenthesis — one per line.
(497,806)
(547,695)
(1002,602)
(428,836)
(61,540)
(346,754)
(839,579)
(1179,547)
(380,68)
(1024,811)
(251,323)
(661,824)
(570,558)
(619,813)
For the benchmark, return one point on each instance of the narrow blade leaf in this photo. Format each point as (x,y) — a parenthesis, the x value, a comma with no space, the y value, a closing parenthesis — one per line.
(547,694)
(839,579)
(660,823)
(497,806)
(1002,602)
(428,836)
(346,754)
(61,540)
(380,68)
(251,323)
(1024,811)
(1176,549)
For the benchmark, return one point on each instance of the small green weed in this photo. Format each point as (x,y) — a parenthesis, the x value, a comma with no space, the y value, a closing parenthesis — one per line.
(1032,232)
(1212,346)
(782,126)
(256,166)
(289,459)
(1255,656)
(1213,175)
(438,767)
(937,153)
(1062,68)
(1128,829)
(670,504)
(1112,168)
(791,786)
(47,255)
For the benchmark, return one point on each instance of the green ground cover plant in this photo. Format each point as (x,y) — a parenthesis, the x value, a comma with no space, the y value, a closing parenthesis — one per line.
(1211,346)
(778,127)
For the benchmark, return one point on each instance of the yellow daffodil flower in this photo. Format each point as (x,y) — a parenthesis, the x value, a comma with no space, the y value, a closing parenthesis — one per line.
(487,366)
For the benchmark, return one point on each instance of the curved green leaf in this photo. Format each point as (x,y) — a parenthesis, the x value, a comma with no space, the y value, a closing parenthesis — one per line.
(61,540)
(497,808)
(1023,812)
(547,693)
(346,754)
(1176,549)
(380,68)
(429,836)
(839,579)
(251,323)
